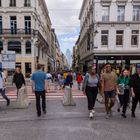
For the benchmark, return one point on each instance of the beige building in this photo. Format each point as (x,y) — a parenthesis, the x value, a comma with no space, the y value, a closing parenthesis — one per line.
(25,28)
(110,32)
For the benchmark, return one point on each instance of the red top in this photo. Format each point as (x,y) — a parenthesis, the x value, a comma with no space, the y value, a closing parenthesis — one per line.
(79,79)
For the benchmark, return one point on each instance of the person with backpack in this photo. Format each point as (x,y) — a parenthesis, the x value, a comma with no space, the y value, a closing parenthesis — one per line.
(79,80)
(90,89)
(3,87)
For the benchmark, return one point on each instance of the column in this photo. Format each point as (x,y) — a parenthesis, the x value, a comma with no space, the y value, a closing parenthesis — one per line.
(23,43)
(5,45)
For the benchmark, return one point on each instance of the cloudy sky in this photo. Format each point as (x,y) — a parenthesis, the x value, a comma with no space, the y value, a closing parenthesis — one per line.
(64,16)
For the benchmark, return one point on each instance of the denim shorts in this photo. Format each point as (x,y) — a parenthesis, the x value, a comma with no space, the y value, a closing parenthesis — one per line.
(110,94)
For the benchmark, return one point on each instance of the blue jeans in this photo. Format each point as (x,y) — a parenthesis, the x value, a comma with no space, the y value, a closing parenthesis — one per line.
(2,91)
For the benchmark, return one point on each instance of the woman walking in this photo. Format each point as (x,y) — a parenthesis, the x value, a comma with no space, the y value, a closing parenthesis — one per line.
(90,89)
(124,91)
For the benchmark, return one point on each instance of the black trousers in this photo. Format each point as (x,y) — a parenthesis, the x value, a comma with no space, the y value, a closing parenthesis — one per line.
(91,93)
(135,102)
(124,100)
(40,94)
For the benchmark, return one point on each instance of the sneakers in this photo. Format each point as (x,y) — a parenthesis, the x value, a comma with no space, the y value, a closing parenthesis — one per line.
(124,116)
(107,116)
(133,115)
(91,115)
(118,110)
(93,111)
(44,111)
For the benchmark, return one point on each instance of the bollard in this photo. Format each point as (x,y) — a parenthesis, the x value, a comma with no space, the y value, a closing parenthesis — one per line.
(68,98)
(22,100)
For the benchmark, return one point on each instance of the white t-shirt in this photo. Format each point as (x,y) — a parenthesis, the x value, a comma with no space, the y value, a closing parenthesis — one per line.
(1,80)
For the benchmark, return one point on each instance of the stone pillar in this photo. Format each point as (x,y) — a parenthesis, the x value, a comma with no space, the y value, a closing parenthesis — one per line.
(5,45)
(23,43)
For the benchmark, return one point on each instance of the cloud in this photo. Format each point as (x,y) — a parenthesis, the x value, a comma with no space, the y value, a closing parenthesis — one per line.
(69,39)
(64,16)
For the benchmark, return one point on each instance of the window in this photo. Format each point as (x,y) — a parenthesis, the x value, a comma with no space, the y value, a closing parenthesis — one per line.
(134,38)
(88,42)
(28,47)
(27,24)
(27,3)
(0,3)
(12,3)
(28,70)
(13,23)
(136,13)
(18,65)
(0,24)
(105,13)
(104,37)
(119,37)
(121,13)
(1,46)
(14,46)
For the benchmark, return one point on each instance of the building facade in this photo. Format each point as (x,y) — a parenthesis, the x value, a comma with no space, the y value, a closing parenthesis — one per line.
(25,28)
(110,32)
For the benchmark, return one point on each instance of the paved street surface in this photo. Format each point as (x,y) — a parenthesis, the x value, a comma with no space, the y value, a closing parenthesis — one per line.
(66,123)
(54,92)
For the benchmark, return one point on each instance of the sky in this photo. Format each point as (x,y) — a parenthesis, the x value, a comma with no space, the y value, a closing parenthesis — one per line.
(64,17)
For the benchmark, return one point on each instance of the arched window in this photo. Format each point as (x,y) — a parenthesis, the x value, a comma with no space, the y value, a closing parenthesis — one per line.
(28,47)
(14,46)
(1,46)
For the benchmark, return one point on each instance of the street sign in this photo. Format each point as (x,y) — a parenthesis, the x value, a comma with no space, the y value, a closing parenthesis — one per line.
(8,59)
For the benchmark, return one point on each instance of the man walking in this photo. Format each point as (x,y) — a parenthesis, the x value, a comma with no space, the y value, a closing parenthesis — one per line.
(2,87)
(18,79)
(40,87)
(135,90)
(109,86)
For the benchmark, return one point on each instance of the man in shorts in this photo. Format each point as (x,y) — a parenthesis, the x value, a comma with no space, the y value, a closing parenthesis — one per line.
(109,85)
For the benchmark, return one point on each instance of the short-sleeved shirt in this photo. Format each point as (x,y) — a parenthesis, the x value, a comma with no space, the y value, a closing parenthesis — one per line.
(39,78)
(110,81)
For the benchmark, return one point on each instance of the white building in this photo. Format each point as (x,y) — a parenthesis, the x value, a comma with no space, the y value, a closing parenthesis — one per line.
(110,31)
(25,28)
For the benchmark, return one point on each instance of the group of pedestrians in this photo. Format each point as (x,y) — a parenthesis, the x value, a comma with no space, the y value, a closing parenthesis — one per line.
(112,87)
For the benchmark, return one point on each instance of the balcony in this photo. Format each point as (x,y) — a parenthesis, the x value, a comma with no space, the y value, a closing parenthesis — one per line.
(136,1)
(106,1)
(16,32)
(122,1)
(8,33)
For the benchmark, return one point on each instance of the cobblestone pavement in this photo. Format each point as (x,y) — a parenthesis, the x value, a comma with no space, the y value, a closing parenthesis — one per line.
(66,123)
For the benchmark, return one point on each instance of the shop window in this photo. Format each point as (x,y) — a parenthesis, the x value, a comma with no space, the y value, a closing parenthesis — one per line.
(28,70)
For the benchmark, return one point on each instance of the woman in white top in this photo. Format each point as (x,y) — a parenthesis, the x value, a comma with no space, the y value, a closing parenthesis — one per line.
(90,88)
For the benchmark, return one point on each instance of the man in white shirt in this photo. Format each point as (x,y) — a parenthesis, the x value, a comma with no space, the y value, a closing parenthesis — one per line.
(3,86)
